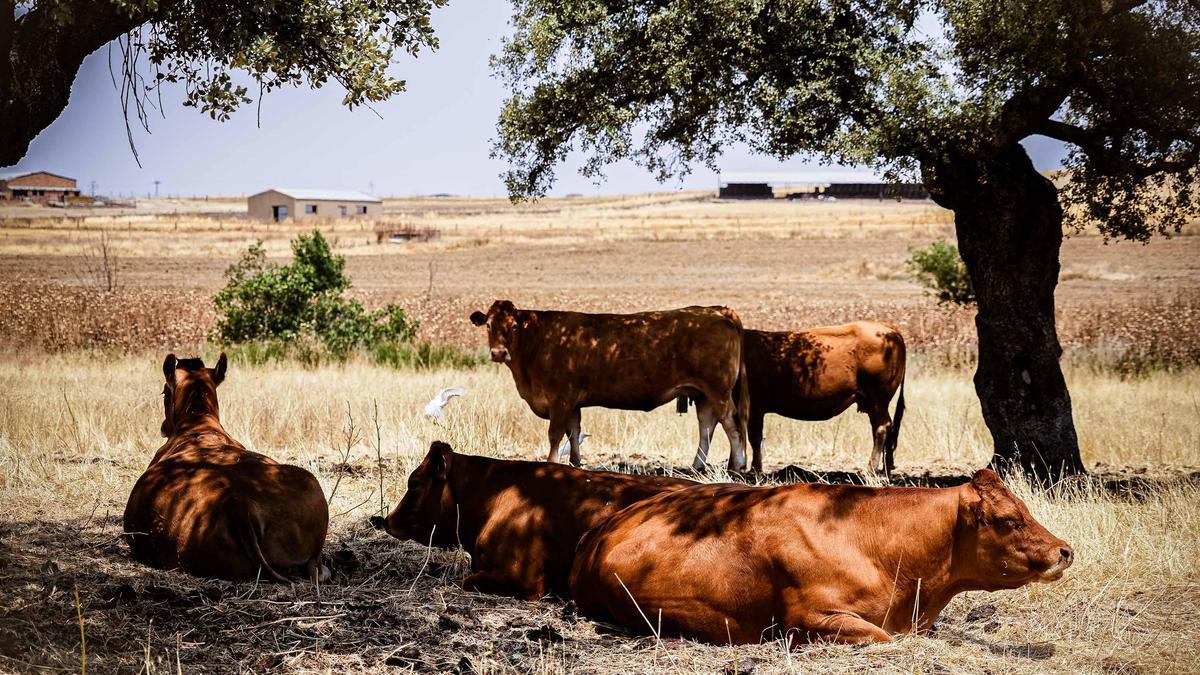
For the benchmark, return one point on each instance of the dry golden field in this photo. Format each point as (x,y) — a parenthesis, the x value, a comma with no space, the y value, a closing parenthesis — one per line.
(80,411)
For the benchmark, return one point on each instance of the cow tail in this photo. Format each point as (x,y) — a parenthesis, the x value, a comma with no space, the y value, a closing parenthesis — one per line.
(246,528)
(894,432)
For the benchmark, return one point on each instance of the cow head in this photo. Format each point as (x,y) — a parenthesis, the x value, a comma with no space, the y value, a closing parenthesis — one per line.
(428,502)
(999,544)
(190,390)
(502,324)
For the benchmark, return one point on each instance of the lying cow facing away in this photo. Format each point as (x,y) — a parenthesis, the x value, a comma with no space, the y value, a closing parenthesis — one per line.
(562,362)
(852,564)
(520,521)
(210,507)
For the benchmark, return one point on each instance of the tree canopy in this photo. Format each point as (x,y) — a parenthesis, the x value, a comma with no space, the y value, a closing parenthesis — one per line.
(201,45)
(900,85)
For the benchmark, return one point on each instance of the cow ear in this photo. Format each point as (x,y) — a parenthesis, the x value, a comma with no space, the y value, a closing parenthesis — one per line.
(439,458)
(971,510)
(478,318)
(169,368)
(987,482)
(218,374)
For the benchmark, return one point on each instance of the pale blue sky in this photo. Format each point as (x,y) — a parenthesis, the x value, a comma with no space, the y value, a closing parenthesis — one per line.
(435,137)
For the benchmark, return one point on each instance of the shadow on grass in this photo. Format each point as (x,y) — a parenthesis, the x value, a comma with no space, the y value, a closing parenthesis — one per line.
(1132,485)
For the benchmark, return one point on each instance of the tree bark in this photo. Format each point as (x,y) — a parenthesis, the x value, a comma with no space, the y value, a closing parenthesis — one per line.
(40,54)
(1009,226)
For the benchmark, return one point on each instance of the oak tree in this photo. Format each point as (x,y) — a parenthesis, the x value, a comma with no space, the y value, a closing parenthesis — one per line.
(941,89)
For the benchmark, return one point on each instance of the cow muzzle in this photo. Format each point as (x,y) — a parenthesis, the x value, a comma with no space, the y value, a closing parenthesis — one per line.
(500,355)
(1066,556)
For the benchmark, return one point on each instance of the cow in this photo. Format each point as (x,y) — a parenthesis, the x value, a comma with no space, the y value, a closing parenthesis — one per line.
(739,564)
(210,507)
(816,374)
(564,361)
(519,520)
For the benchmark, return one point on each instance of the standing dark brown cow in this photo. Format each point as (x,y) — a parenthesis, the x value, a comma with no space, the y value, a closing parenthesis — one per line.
(816,374)
(734,563)
(520,521)
(564,361)
(210,507)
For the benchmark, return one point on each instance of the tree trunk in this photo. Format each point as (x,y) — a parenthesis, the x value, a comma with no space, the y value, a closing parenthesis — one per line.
(1009,226)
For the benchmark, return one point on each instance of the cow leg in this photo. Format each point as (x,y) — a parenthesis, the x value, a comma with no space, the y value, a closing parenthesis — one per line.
(754,426)
(881,424)
(573,427)
(837,627)
(708,422)
(558,429)
(737,444)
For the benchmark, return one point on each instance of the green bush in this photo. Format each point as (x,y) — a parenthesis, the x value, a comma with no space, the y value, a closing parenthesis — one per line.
(940,269)
(299,307)
(425,355)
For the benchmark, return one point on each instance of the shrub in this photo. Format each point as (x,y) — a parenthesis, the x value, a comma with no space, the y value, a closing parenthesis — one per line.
(300,307)
(940,269)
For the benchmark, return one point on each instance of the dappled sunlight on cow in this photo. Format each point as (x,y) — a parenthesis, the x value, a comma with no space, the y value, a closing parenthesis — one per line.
(520,521)
(210,507)
(565,361)
(731,563)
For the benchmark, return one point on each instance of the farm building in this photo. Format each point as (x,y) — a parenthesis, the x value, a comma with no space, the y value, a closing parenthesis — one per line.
(37,186)
(842,184)
(279,204)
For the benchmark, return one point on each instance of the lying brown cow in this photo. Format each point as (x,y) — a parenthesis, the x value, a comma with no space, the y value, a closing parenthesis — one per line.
(520,521)
(565,361)
(732,563)
(818,373)
(210,507)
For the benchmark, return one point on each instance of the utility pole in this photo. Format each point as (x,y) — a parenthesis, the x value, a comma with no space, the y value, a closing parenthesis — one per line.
(156,188)
(93,184)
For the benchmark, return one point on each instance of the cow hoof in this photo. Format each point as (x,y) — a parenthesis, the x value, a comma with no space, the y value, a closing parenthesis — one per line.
(377,522)
(699,467)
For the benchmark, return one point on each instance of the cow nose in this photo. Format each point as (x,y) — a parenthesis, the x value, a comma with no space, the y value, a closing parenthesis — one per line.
(499,355)
(1066,553)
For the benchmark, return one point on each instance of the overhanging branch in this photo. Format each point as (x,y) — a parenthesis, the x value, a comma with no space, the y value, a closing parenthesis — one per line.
(46,47)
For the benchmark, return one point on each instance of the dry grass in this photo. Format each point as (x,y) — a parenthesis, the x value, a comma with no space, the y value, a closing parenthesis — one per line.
(77,429)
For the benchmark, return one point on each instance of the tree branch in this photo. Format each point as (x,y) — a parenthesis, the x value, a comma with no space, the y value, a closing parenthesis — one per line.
(1122,6)
(1067,133)
(44,54)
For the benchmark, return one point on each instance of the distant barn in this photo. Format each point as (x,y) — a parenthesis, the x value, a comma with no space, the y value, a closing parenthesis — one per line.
(279,204)
(37,186)
(815,184)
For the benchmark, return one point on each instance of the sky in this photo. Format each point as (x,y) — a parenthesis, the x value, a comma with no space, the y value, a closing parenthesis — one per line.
(435,137)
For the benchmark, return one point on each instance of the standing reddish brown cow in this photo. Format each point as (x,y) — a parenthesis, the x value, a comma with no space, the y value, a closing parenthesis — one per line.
(816,374)
(564,361)
(212,508)
(520,521)
(733,563)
